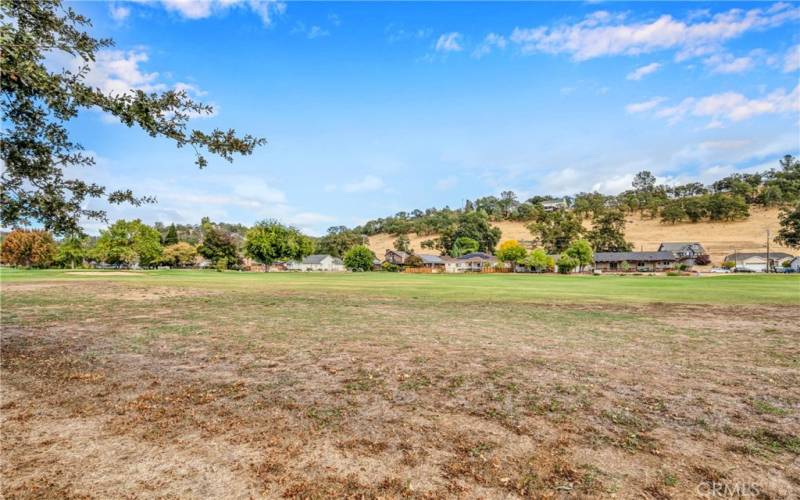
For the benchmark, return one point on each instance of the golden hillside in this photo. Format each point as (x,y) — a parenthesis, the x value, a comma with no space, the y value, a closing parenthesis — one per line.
(719,238)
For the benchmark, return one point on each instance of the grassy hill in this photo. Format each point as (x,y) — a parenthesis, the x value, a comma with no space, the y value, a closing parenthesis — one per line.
(719,238)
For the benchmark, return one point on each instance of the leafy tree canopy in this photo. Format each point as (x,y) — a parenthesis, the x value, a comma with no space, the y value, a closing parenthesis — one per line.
(338,241)
(511,251)
(218,244)
(608,232)
(536,260)
(402,244)
(129,242)
(269,241)
(28,248)
(473,225)
(179,254)
(566,263)
(35,145)
(581,250)
(789,233)
(359,258)
(556,230)
(464,245)
(72,251)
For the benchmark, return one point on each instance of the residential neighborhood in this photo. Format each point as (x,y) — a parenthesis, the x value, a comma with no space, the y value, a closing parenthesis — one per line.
(670,256)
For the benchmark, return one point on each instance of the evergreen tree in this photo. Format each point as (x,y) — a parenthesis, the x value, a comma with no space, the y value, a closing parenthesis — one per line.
(172,236)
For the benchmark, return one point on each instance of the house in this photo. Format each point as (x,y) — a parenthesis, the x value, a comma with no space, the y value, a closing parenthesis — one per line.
(277,267)
(794,264)
(636,261)
(685,252)
(552,206)
(377,264)
(471,262)
(395,257)
(757,261)
(318,262)
(432,262)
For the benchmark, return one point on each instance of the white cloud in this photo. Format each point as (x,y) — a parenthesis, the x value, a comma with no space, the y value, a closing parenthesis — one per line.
(201,9)
(190,89)
(396,33)
(367,184)
(316,32)
(118,12)
(640,107)
(731,106)
(791,60)
(726,63)
(118,72)
(490,42)
(449,42)
(605,34)
(643,71)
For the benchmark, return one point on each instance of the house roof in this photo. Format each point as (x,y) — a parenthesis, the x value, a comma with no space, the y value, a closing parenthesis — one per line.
(633,256)
(404,255)
(430,259)
(317,259)
(477,255)
(739,256)
(673,246)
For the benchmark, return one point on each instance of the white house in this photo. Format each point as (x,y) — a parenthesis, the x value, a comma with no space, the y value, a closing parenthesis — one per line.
(794,264)
(317,262)
(757,261)
(474,262)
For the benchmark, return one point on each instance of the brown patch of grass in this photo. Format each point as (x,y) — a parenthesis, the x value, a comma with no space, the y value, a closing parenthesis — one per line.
(315,395)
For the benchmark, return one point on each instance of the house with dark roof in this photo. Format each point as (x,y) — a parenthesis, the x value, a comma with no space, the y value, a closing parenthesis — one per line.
(395,257)
(636,261)
(685,252)
(317,262)
(758,261)
(433,262)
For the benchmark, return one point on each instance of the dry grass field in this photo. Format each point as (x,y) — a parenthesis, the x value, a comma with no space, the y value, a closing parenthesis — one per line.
(719,238)
(237,385)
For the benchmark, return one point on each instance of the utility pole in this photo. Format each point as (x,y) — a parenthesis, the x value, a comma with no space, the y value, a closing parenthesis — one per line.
(768,251)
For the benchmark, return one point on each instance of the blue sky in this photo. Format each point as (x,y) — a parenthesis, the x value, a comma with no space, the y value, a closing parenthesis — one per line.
(373,108)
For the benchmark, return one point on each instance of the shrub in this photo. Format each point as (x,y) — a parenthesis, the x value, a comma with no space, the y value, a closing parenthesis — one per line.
(625,266)
(728,264)
(221,265)
(389,267)
(702,260)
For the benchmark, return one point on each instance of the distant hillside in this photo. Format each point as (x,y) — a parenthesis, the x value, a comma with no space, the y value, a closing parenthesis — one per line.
(719,238)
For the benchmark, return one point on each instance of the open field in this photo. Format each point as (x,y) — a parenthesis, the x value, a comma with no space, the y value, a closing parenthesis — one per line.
(718,238)
(203,384)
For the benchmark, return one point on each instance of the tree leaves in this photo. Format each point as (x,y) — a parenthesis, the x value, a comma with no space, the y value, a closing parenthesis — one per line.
(35,144)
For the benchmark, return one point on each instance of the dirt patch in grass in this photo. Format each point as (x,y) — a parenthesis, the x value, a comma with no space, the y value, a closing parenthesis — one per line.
(250,393)
(104,273)
(31,287)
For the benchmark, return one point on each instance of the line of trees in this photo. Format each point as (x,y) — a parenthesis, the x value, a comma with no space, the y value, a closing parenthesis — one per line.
(729,198)
(578,255)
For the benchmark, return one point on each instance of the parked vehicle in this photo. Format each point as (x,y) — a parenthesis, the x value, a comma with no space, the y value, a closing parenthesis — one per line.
(721,270)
